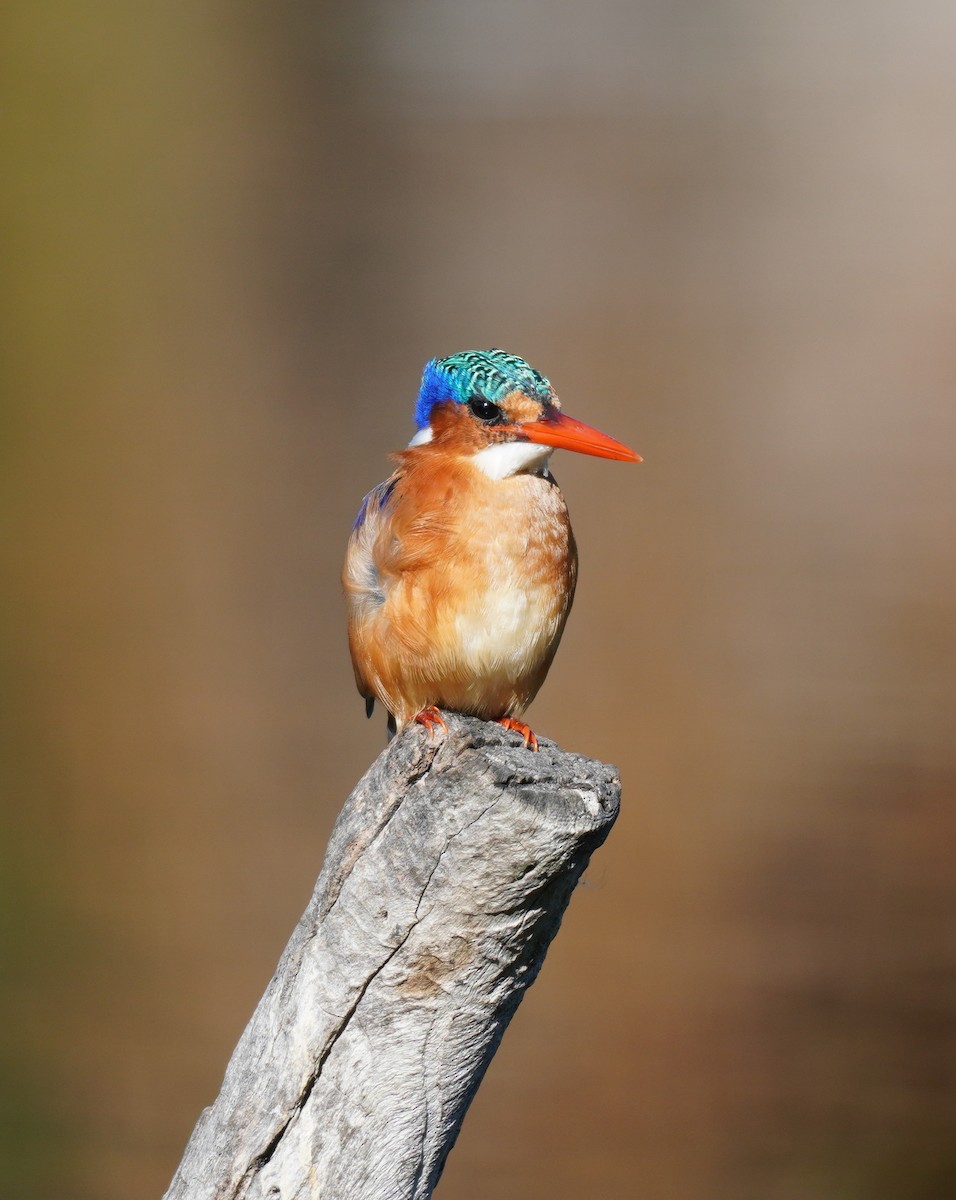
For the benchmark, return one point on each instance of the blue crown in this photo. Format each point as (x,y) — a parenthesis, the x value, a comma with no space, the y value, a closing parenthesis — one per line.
(491,374)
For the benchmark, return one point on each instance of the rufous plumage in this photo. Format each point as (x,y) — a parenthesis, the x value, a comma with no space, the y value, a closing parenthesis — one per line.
(461,567)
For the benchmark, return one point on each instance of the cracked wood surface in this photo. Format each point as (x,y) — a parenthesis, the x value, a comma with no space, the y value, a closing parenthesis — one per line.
(445,879)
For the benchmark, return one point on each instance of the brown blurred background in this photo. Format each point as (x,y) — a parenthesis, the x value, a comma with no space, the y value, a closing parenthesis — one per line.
(727,232)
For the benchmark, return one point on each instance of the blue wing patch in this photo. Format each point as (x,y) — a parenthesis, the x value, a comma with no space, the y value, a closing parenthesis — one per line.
(360,519)
(380,495)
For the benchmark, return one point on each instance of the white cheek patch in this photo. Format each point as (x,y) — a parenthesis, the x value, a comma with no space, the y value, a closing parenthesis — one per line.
(422,438)
(512,458)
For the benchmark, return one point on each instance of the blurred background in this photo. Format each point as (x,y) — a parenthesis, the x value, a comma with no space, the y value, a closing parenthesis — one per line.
(727,232)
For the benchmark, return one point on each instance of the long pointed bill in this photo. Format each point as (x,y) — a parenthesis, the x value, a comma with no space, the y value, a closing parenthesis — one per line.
(565,433)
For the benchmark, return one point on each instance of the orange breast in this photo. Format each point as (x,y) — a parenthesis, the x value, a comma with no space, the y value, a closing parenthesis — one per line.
(474,578)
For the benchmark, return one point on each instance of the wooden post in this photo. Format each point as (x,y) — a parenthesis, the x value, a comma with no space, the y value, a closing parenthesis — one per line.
(445,879)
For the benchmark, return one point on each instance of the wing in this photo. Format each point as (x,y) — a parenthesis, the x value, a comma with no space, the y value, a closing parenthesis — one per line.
(394,579)
(366,583)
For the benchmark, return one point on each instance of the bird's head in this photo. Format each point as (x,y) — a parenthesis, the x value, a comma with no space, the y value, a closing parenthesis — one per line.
(498,409)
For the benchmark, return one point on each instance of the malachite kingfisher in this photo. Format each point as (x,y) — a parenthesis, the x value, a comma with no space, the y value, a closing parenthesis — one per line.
(461,566)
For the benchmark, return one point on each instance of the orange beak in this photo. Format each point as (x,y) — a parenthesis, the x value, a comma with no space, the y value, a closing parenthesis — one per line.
(565,433)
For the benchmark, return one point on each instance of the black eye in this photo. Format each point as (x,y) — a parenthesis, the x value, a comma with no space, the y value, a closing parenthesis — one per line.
(484,410)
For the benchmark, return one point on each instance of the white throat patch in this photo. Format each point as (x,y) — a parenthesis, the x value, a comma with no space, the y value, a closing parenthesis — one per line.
(422,438)
(513,458)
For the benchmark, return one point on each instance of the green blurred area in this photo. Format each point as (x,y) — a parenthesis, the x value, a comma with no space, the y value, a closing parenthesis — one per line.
(233,236)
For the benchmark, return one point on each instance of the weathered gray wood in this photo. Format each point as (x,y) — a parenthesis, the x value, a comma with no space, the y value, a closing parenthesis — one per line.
(446,877)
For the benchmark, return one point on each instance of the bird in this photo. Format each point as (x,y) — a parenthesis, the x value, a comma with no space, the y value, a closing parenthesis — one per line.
(461,566)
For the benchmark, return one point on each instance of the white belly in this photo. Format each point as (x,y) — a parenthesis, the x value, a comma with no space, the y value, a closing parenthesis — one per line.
(507,629)
(503,634)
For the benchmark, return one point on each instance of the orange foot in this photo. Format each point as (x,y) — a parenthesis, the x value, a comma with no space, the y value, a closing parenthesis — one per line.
(430,717)
(530,741)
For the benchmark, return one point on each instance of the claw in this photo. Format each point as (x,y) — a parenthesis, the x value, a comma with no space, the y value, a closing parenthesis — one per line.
(430,717)
(530,741)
